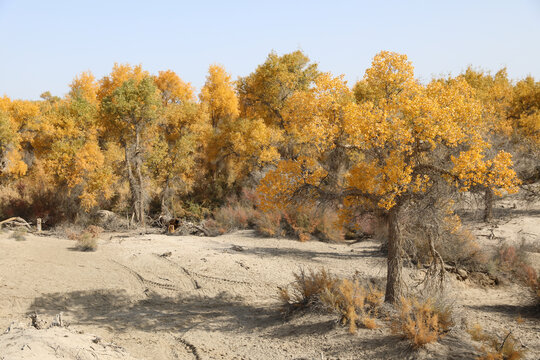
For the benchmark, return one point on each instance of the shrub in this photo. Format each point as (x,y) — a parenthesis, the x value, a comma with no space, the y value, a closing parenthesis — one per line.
(306,289)
(305,222)
(87,242)
(237,213)
(320,290)
(235,217)
(269,223)
(421,321)
(19,234)
(214,228)
(494,349)
(514,262)
(94,230)
(354,303)
(195,212)
(458,247)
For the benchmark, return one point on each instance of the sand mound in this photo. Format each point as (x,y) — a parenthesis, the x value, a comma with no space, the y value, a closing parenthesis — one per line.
(26,342)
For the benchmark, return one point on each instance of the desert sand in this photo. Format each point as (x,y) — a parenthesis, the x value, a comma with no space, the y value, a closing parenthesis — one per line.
(153,296)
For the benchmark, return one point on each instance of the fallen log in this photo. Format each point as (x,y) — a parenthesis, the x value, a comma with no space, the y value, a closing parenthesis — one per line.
(15,221)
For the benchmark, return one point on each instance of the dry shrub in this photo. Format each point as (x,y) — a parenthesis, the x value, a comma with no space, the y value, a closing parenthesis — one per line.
(238,213)
(422,321)
(494,349)
(214,228)
(193,211)
(305,222)
(94,230)
(320,290)
(354,303)
(19,234)
(109,220)
(87,242)
(269,223)
(456,245)
(305,291)
(513,262)
(235,217)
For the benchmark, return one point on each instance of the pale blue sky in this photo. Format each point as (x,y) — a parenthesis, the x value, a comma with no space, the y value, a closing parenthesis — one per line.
(46,43)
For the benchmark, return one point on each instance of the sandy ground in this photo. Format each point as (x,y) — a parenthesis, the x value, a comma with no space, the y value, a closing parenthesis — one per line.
(216,298)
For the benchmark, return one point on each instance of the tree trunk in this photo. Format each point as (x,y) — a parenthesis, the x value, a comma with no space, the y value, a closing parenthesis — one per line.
(133,164)
(394,262)
(488,210)
(165,198)
(133,188)
(138,169)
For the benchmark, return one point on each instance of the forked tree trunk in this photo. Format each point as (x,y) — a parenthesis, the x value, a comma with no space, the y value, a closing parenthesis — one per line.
(488,210)
(138,168)
(395,261)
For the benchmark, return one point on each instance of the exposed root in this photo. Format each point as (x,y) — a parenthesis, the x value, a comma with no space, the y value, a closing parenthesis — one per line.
(190,347)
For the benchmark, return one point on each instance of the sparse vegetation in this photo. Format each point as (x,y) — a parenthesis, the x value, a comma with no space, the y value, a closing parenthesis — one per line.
(306,290)
(19,234)
(320,290)
(87,240)
(355,303)
(422,321)
(493,348)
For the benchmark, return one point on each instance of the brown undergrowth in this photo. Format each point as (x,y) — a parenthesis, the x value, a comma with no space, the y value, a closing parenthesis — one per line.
(422,321)
(87,240)
(360,304)
(492,347)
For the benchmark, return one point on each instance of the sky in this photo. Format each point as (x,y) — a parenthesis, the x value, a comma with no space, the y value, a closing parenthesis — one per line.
(45,44)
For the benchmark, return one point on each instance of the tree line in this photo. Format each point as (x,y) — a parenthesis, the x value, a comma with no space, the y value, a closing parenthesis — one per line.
(145,144)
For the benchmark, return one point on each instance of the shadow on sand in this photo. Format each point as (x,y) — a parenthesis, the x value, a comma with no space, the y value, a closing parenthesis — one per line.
(115,310)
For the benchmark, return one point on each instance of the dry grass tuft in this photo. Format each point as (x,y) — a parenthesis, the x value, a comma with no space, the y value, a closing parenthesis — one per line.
(19,234)
(421,321)
(87,240)
(494,349)
(354,303)
(306,289)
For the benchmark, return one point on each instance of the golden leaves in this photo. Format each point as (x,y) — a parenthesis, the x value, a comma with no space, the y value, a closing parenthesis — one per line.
(219,96)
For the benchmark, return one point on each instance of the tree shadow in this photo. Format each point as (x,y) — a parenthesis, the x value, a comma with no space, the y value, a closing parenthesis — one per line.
(530,310)
(115,310)
(317,256)
(499,213)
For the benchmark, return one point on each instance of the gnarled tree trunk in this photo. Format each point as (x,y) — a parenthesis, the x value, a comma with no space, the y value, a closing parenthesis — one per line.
(395,261)
(135,179)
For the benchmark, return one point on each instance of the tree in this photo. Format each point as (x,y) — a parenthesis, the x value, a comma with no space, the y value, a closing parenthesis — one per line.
(495,95)
(263,93)
(85,87)
(70,145)
(219,97)
(396,143)
(19,122)
(129,113)
(525,109)
(181,139)
(237,146)
(10,157)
